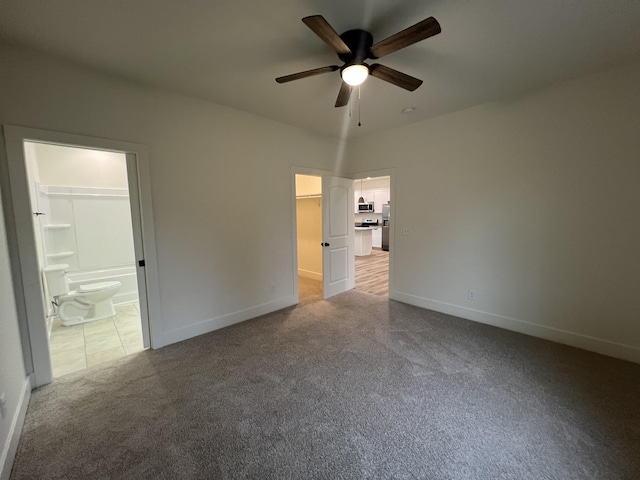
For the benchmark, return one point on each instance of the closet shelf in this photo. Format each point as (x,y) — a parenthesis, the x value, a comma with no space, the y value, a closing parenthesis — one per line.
(60,255)
(57,226)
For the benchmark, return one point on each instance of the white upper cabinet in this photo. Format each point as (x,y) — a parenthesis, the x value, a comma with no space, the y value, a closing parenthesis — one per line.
(380,197)
(374,190)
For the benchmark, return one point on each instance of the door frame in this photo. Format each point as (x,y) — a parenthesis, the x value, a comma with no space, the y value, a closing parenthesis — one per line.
(26,275)
(295,170)
(391,173)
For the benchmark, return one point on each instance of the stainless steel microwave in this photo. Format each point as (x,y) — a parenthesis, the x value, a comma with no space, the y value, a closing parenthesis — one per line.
(365,207)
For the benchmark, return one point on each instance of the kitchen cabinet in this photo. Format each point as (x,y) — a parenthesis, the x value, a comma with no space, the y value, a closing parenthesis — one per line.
(380,197)
(366,193)
(376,237)
(362,242)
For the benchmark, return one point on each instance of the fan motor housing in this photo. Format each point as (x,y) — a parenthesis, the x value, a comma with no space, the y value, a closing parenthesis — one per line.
(359,42)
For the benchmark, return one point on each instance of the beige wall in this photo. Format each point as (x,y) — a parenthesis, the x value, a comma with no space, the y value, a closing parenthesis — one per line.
(532,202)
(309,224)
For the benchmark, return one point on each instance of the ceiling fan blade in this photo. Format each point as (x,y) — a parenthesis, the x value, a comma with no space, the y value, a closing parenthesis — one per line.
(421,30)
(390,75)
(307,73)
(321,28)
(343,95)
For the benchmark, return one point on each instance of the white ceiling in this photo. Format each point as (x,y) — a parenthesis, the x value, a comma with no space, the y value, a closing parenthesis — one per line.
(230,51)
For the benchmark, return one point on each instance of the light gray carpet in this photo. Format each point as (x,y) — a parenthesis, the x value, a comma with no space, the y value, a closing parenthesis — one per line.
(354,387)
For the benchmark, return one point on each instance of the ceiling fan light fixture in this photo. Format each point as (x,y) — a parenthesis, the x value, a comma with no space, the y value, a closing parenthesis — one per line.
(355,46)
(355,75)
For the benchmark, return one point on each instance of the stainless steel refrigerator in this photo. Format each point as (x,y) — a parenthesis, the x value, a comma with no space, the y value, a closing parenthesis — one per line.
(385,226)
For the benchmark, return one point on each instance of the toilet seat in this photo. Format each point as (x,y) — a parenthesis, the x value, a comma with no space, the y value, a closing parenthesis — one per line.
(96,287)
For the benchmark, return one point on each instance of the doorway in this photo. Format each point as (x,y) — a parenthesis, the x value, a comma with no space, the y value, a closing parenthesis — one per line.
(323,236)
(309,237)
(373,227)
(30,242)
(83,228)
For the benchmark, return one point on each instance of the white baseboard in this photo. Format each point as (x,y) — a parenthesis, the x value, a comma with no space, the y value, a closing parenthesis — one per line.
(585,342)
(309,274)
(206,326)
(11,445)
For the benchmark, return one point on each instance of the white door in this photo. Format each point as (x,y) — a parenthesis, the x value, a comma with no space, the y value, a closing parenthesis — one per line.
(338,261)
(136,221)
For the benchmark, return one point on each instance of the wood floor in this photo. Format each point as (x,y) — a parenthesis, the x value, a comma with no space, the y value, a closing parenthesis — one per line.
(372,276)
(372,273)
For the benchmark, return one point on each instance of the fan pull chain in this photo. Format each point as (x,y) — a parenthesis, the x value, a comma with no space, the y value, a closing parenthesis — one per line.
(359,123)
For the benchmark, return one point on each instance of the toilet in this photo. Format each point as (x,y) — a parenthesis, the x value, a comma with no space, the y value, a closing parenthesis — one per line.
(91,301)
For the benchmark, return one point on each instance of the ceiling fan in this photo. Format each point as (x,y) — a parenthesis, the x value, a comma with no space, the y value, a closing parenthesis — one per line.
(355,46)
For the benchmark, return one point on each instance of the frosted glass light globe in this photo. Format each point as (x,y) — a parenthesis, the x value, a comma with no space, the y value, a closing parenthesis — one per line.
(355,75)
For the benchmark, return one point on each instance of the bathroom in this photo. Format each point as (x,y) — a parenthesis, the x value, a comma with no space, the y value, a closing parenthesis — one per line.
(84,243)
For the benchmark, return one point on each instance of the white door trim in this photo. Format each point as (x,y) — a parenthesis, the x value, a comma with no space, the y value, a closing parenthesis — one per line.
(26,274)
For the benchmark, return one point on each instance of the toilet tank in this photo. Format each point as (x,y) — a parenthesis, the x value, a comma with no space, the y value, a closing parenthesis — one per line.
(56,277)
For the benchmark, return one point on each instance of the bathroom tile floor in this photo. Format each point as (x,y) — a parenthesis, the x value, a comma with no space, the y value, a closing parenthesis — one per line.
(80,346)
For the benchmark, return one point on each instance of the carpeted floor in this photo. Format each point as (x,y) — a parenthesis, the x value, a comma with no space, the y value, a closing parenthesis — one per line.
(354,387)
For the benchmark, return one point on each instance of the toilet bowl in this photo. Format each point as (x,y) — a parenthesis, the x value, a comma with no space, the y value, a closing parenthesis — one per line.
(91,301)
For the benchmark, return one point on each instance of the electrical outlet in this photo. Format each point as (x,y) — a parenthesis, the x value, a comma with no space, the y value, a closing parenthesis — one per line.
(471,295)
(273,288)
(3,406)
(406,231)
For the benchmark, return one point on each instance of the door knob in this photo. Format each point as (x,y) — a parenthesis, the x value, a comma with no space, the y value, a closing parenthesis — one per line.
(325,244)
